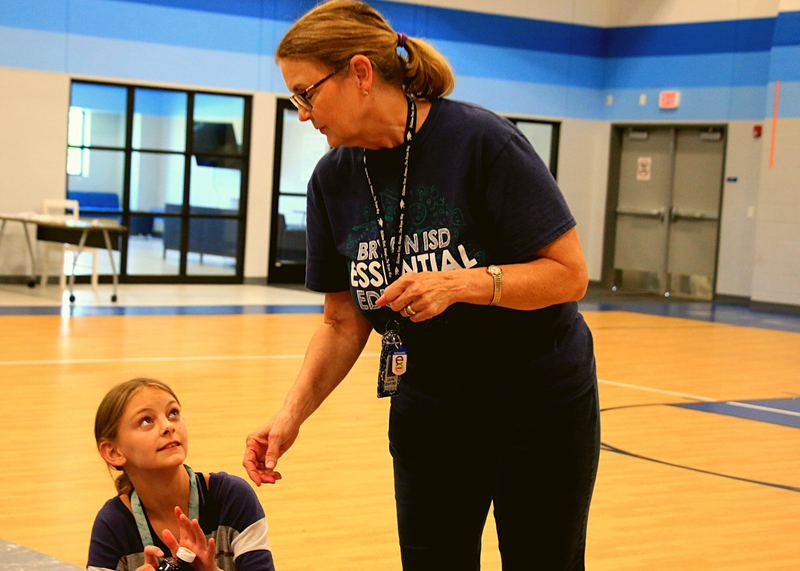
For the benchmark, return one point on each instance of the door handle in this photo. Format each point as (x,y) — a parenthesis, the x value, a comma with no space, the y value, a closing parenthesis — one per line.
(676,215)
(660,213)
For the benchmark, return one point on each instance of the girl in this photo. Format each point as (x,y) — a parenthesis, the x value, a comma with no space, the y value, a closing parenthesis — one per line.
(161,503)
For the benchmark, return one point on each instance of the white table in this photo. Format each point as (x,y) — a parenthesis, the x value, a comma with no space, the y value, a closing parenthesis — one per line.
(71,231)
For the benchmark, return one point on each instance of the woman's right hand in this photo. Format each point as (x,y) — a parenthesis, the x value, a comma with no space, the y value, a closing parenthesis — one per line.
(266,444)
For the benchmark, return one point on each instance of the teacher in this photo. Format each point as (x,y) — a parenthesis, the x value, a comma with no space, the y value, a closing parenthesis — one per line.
(436,224)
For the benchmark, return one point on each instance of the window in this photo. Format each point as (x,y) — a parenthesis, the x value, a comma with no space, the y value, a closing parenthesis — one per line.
(169,164)
(543,135)
(298,147)
(78,138)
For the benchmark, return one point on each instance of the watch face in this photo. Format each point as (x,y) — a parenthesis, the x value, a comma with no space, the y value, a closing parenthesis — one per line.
(494,270)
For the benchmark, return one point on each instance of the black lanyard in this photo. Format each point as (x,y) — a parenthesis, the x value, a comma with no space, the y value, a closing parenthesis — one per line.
(394,270)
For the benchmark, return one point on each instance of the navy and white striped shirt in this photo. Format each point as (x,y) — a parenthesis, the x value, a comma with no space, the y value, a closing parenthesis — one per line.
(229,512)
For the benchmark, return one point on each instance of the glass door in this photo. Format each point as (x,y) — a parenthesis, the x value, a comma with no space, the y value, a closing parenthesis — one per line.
(157,178)
(97,160)
(298,148)
(171,165)
(543,135)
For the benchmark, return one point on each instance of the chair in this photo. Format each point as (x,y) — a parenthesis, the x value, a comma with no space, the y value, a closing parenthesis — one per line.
(57,209)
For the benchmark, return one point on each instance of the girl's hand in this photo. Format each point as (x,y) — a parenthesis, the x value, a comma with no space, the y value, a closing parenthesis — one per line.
(150,561)
(194,539)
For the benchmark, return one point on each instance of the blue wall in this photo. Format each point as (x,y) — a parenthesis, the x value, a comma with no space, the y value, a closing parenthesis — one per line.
(724,70)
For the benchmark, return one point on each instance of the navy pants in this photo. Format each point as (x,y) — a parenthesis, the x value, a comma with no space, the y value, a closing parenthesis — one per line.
(537,468)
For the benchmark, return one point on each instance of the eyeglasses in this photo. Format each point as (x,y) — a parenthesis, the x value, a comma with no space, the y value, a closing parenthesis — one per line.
(301,101)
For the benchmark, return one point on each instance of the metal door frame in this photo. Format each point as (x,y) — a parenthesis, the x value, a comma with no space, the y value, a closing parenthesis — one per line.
(612,193)
(182,277)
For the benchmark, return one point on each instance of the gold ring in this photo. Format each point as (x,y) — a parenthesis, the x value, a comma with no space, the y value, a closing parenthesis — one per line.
(408,312)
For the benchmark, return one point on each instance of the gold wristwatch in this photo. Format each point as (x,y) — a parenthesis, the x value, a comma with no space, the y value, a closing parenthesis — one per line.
(497,276)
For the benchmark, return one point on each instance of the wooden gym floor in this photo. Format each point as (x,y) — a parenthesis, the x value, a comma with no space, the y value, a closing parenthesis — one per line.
(714,484)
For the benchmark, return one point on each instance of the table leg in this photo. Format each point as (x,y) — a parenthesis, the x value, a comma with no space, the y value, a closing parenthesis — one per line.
(34,269)
(71,282)
(113,267)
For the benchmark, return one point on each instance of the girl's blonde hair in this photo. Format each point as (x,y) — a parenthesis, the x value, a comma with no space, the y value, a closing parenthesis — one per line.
(335,31)
(109,415)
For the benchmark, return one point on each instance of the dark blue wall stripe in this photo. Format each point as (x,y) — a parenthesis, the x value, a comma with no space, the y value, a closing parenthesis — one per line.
(510,32)
(787,29)
(688,39)
(751,35)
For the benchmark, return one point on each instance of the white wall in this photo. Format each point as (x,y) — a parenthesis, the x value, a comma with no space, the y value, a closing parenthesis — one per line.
(36,158)
(583,158)
(33,150)
(654,12)
(756,253)
(776,268)
(738,216)
(259,202)
(776,261)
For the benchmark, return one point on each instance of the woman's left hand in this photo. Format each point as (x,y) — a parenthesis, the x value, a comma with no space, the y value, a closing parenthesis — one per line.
(555,274)
(194,539)
(424,295)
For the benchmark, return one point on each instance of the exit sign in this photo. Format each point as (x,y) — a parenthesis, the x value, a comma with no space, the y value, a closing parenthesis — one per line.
(669,99)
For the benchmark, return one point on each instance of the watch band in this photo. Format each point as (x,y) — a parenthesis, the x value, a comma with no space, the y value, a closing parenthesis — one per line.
(497,276)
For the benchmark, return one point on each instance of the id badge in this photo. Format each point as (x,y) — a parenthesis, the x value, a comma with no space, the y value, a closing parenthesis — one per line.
(399,360)
(393,363)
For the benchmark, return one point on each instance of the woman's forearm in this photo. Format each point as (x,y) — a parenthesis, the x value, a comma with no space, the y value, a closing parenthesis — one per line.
(332,352)
(557,275)
(532,285)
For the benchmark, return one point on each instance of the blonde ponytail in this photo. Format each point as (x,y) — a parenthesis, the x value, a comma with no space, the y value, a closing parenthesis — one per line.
(428,75)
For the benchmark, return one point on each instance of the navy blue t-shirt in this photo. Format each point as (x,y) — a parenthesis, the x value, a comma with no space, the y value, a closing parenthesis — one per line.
(478,194)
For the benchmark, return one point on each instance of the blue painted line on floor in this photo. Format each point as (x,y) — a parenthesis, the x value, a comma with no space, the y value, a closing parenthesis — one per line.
(34,310)
(785,412)
(81,311)
(616,450)
(729,314)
